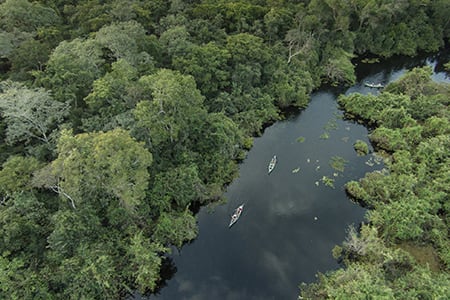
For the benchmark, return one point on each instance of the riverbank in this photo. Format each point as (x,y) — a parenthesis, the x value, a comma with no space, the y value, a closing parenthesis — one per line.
(402,251)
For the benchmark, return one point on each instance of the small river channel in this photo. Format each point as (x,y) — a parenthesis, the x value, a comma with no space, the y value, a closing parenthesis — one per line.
(291,219)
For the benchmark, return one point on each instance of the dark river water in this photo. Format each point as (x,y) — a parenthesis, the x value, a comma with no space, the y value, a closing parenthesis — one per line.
(291,219)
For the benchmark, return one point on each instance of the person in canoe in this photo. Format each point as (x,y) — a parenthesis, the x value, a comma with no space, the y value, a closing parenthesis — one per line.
(272,164)
(236,215)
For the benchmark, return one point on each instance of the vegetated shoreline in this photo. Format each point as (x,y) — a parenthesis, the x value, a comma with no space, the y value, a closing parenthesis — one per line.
(351,249)
(118,115)
(402,251)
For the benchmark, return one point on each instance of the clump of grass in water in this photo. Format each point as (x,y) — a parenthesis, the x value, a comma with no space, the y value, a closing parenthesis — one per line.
(338,163)
(300,139)
(331,125)
(338,115)
(325,136)
(328,181)
(361,148)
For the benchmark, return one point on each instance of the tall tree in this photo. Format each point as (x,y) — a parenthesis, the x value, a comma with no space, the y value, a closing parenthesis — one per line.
(209,66)
(22,15)
(112,97)
(30,114)
(17,173)
(102,168)
(71,70)
(128,41)
(174,105)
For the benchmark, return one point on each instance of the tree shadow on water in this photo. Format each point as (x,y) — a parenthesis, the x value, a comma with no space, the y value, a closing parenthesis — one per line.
(168,270)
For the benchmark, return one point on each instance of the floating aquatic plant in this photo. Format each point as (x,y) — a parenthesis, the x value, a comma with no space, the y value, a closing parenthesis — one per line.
(325,136)
(331,125)
(328,181)
(300,139)
(338,163)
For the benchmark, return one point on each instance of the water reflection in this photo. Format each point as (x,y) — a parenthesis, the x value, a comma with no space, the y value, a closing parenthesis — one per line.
(291,220)
(289,224)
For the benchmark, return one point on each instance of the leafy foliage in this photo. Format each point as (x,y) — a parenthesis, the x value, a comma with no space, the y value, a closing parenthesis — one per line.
(128,111)
(29,113)
(103,165)
(408,199)
(175,104)
(361,147)
(17,173)
(71,69)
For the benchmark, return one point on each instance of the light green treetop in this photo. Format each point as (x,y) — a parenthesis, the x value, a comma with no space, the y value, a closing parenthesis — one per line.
(102,166)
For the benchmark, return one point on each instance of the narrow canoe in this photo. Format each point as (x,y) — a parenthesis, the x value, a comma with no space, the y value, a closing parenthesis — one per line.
(272,163)
(237,213)
(374,85)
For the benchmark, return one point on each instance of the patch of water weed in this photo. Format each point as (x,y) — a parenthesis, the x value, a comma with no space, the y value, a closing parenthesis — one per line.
(300,139)
(338,163)
(325,136)
(338,115)
(331,125)
(328,181)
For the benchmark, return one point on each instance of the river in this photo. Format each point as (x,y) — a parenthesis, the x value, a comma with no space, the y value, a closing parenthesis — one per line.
(291,219)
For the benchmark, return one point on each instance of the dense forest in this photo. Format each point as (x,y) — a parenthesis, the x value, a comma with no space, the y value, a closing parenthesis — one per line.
(119,117)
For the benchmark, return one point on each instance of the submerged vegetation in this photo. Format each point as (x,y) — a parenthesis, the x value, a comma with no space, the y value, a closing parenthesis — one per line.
(301,139)
(328,181)
(403,251)
(338,163)
(119,116)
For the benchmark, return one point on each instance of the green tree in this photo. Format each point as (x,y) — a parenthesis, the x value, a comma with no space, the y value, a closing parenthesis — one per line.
(175,105)
(30,55)
(112,96)
(217,142)
(339,69)
(277,22)
(23,220)
(22,15)
(23,25)
(91,273)
(176,41)
(72,68)
(102,167)
(361,147)
(291,83)
(128,41)
(175,228)
(358,281)
(19,281)
(404,219)
(16,174)
(86,16)
(249,54)
(179,187)
(249,110)
(145,261)
(209,66)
